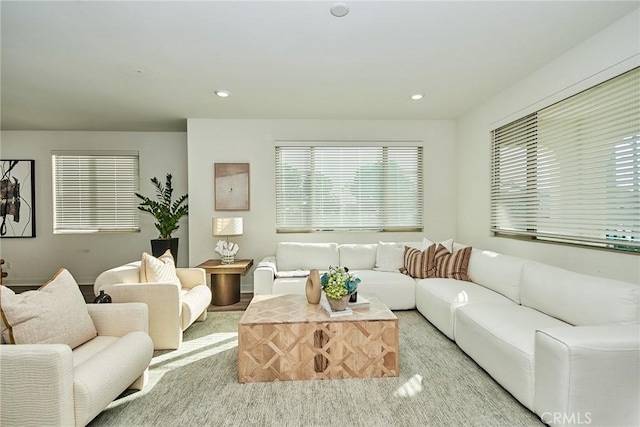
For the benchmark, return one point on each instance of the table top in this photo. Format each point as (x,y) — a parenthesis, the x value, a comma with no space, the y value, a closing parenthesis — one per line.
(294,308)
(215,266)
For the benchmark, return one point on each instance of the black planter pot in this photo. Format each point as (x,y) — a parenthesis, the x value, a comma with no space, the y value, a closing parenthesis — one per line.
(160,246)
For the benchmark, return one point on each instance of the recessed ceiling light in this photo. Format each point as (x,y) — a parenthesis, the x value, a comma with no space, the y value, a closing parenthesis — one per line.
(417,96)
(339,10)
(222,93)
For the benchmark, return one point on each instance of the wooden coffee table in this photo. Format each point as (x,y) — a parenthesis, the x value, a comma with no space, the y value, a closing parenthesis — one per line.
(282,337)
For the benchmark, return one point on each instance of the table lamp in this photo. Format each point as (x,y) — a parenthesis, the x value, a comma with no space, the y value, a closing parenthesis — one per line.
(227,227)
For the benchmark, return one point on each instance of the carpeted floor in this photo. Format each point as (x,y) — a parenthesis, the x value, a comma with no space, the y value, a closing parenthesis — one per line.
(197,386)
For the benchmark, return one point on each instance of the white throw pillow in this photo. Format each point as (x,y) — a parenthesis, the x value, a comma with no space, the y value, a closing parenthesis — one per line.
(389,256)
(54,314)
(306,256)
(358,256)
(158,270)
(446,243)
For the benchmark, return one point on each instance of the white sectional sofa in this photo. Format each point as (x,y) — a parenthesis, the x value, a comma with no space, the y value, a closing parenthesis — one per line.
(566,345)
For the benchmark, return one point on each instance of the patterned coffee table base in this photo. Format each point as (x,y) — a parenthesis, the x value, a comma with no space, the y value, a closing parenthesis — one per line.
(317,350)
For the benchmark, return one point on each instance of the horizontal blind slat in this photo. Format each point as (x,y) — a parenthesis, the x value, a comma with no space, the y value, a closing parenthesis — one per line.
(571,171)
(341,187)
(95,192)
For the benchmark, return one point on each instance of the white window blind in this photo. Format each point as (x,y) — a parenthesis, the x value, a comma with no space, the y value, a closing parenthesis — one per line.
(95,192)
(571,172)
(326,188)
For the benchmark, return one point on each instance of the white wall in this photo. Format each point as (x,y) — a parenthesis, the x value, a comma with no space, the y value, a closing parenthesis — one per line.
(252,141)
(614,50)
(35,260)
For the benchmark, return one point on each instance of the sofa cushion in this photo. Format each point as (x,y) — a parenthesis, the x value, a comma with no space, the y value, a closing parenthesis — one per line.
(500,273)
(54,314)
(358,256)
(396,290)
(158,270)
(389,256)
(437,299)
(86,351)
(95,386)
(577,298)
(500,338)
(290,285)
(452,265)
(446,243)
(306,256)
(420,264)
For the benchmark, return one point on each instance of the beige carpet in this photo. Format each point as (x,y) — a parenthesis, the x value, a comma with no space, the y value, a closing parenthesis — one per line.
(196,386)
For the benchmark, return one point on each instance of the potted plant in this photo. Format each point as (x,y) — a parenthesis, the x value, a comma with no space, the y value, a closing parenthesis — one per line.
(338,284)
(167,214)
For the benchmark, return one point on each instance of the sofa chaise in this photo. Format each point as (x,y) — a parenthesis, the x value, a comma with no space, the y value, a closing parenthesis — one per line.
(566,345)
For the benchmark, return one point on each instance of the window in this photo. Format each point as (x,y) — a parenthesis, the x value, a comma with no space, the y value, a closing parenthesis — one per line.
(95,192)
(571,172)
(330,188)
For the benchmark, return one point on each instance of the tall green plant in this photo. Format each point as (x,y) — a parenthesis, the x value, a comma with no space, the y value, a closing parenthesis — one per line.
(166,212)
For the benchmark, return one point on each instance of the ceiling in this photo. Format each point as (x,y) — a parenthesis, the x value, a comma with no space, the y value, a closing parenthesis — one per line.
(150,65)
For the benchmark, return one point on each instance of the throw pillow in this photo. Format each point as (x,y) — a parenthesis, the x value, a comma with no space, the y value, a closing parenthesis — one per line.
(54,314)
(448,244)
(453,266)
(389,257)
(419,264)
(158,270)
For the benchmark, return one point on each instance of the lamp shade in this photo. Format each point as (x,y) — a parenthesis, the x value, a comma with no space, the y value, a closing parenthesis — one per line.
(227,226)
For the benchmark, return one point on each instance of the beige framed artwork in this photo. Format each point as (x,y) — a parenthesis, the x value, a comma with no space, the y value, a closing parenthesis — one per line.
(231,186)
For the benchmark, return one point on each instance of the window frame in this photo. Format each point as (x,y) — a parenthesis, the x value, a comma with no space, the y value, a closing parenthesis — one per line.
(537,209)
(376,150)
(85,211)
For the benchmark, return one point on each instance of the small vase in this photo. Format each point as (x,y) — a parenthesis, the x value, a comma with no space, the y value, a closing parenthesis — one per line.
(353,297)
(102,298)
(312,287)
(338,304)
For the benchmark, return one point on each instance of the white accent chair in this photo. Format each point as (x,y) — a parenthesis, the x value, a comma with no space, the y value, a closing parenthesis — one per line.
(52,385)
(172,309)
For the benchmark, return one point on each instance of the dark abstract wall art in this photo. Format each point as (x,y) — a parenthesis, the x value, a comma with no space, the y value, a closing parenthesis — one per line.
(17,198)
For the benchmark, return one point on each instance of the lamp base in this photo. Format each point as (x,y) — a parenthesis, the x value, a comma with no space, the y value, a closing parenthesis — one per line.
(228,259)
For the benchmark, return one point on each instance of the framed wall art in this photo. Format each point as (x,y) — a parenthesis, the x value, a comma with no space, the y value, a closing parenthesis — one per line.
(231,186)
(17,199)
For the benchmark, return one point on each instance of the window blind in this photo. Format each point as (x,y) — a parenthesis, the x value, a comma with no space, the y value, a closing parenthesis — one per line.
(95,192)
(571,172)
(327,188)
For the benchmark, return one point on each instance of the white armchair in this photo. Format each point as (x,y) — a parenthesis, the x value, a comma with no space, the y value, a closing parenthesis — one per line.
(172,308)
(52,385)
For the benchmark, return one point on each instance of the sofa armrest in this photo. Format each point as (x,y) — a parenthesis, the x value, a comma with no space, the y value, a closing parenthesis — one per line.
(190,277)
(264,275)
(36,385)
(165,309)
(117,320)
(588,374)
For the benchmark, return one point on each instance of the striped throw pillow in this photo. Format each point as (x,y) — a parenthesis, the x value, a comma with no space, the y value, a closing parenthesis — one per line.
(419,264)
(452,265)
